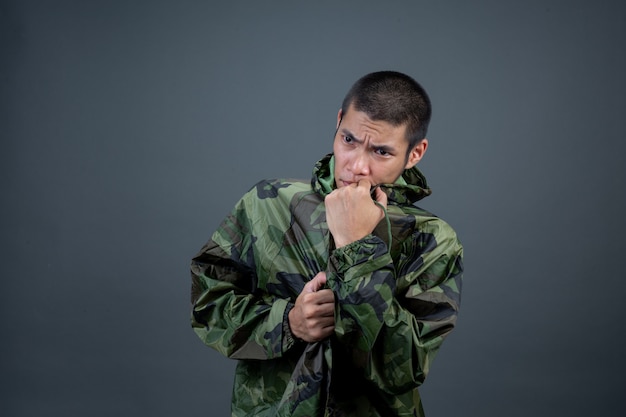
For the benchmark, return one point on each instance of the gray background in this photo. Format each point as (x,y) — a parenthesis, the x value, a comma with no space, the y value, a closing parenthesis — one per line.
(129,129)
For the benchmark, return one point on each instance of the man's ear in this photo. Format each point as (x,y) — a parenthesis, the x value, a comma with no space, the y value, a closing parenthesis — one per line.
(339,116)
(416,153)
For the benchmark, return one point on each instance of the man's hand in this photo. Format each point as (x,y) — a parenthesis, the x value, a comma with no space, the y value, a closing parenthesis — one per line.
(351,213)
(313,316)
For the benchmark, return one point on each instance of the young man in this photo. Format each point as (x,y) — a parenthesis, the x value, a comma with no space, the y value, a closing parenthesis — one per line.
(335,294)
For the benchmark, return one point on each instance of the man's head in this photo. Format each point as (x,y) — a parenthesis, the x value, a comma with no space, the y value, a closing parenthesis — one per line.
(394,98)
(381,128)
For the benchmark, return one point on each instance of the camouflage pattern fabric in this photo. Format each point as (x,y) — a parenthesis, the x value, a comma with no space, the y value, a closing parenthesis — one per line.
(396,300)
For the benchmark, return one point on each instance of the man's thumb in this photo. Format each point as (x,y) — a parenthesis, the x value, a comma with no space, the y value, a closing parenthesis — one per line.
(316,283)
(381,197)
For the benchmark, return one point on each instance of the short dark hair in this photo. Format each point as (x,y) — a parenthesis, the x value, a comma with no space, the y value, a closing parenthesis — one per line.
(392,97)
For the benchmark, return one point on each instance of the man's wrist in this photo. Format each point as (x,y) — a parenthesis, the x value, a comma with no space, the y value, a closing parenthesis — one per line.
(289,339)
(367,249)
(341,242)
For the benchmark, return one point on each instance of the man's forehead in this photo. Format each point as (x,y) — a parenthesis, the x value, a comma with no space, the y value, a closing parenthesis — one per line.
(354,111)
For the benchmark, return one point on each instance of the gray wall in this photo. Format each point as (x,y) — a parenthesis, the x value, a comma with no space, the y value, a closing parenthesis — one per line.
(129,129)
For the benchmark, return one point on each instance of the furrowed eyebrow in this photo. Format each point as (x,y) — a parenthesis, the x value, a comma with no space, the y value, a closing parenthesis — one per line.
(384,148)
(346,132)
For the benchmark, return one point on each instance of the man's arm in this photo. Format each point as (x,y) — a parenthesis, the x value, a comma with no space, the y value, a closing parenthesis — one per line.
(229,313)
(392,318)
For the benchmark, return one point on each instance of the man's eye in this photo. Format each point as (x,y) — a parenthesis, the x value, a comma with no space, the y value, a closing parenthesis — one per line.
(347,139)
(382,152)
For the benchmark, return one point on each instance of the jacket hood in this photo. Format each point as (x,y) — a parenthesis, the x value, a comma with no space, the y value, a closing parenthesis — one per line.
(408,189)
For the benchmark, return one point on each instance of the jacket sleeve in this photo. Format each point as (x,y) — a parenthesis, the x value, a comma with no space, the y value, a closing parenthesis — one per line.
(229,313)
(392,318)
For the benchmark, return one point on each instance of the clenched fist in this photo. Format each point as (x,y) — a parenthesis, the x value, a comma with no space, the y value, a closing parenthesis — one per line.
(312,318)
(351,213)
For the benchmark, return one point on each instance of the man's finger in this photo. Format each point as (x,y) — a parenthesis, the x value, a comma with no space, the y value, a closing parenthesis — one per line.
(381,197)
(365,183)
(326,296)
(316,283)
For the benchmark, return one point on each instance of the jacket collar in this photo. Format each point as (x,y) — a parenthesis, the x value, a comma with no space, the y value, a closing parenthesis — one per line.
(408,189)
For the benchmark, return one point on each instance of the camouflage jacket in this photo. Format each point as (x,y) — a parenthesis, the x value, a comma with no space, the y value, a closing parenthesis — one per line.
(397,294)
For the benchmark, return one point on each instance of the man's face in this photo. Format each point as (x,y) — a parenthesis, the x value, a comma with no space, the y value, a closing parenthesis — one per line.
(371,149)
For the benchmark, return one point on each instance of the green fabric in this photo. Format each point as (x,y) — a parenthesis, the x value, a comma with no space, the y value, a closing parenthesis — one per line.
(395,301)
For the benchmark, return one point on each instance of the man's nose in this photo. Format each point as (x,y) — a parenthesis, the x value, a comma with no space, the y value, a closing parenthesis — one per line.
(359,164)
